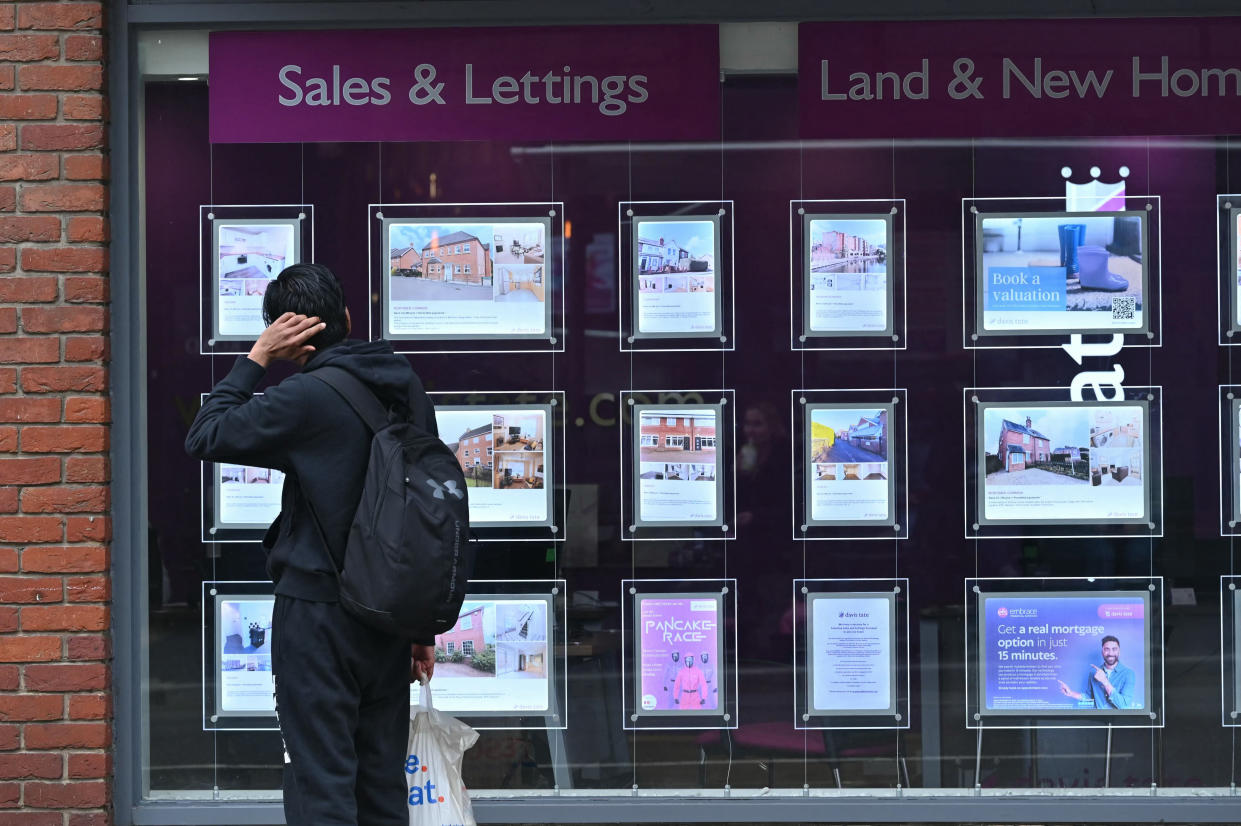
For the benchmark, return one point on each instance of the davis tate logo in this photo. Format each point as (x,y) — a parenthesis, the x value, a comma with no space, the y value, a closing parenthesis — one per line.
(423,793)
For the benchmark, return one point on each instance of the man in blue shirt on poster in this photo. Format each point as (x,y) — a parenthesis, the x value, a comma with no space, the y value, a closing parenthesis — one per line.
(1109,687)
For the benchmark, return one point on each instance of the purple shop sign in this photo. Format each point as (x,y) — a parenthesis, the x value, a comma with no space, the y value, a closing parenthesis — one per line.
(513,84)
(1020,78)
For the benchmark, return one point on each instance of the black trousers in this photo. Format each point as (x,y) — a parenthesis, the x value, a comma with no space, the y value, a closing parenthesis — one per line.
(342,696)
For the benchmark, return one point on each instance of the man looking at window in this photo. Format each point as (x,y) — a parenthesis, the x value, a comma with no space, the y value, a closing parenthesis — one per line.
(342,688)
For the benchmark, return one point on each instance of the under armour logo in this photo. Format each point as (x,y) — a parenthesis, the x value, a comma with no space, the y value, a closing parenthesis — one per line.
(450,486)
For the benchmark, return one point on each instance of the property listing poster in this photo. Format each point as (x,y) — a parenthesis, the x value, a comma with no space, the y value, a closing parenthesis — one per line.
(680,654)
(847,267)
(677,482)
(1236,279)
(495,660)
(849,466)
(1065,653)
(505,455)
(852,645)
(1235,408)
(244,684)
(1062,272)
(472,279)
(1063,464)
(676,272)
(247,497)
(1236,649)
(248,256)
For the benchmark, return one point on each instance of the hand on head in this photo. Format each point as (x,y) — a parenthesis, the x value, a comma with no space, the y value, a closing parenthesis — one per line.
(285,339)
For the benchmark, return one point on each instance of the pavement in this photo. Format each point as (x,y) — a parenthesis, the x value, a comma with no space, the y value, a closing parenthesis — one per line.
(1032,476)
(420,289)
(845,452)
(675,456)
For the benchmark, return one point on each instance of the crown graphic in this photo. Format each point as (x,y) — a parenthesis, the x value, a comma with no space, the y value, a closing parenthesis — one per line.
(1095,195)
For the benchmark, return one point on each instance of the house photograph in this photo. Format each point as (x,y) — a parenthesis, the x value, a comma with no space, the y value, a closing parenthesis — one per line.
(519,470)
(853,245)
(515,245)
(519,454)
(688,472)
(1036,446)
(451,262)
(1116,427)
(676,284)
(468,648)
(848,434)
(521,660)
(405,262)
(519,282)
(469,434)
(518,430)
(245,626)
(828,472)
(686,436)
(702,283)
(858,471)
(521,621)
(1116,466)
(245,475)
(254,250)
(675,247)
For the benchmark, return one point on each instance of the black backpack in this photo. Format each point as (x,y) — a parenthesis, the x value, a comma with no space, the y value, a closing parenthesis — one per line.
(409,553)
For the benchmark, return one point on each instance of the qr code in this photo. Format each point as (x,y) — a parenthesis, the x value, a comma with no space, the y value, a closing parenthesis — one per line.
(1123,307)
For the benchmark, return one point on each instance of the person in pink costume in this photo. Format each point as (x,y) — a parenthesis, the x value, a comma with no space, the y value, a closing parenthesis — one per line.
(690,686)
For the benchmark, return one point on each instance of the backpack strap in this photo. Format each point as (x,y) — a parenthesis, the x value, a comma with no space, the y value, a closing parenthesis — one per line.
(360,397)
(374,415)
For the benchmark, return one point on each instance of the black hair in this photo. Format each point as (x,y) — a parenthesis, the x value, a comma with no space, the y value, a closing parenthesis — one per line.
(1107,639)
(309,290)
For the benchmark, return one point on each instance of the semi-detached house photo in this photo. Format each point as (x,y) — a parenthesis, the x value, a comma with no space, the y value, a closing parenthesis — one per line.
(1047,446)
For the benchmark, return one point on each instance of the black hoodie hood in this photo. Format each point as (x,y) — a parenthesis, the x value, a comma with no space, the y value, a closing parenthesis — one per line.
(373,363)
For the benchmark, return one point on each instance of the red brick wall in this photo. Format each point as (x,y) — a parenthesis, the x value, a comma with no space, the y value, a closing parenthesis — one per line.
(55,709)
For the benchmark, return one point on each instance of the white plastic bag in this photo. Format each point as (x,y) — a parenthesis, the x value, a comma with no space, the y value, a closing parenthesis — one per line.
(437,742)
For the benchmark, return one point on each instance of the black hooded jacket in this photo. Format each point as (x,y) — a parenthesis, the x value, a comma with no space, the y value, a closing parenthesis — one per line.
(304,428)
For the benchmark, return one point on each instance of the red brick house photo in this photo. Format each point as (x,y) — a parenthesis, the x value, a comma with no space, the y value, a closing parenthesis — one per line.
(474,452)
(1021,445)
(457,257)
(468,649)
(689,437)
(405,261)
(466,636)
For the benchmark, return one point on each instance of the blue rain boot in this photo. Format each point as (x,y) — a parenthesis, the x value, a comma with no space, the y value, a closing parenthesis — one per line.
(1094,272)
(1071,237)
